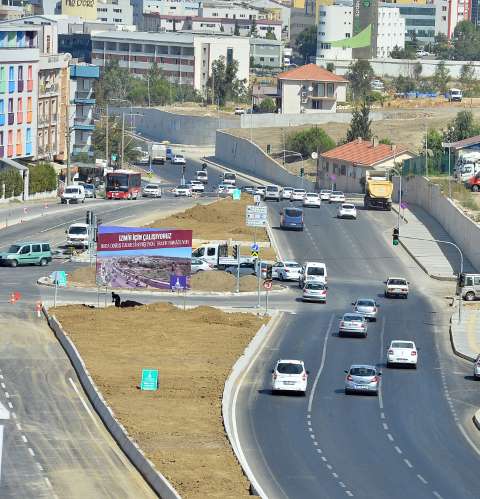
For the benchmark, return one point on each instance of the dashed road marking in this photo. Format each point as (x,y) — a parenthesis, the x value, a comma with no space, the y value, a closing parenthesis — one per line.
(348,493)
(437,495)
(32,453)
(389,436)
(397,448)
(324,459)
(385,426)
(382,415)
(7,395)
(334,475)
(19,427)
(408,463)
(24,438)
(420,477)
(10,405)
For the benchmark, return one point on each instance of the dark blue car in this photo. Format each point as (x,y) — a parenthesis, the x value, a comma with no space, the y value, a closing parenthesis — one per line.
(291,218)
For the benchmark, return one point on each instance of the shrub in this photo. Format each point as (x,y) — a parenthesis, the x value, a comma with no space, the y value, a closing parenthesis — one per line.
(43,178)
(309,140)
(13,181)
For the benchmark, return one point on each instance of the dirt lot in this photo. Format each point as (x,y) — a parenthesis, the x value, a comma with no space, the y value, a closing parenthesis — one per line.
(179,427)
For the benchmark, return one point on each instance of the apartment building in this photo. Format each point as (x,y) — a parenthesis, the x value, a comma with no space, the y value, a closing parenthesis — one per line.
(419,22)
(82,103)
(164,8)
(266,53)
(184,58)
(115,11)
(19,61)
(333,36)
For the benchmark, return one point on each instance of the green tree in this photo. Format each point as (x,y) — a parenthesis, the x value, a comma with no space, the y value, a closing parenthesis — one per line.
(223,84)
(115,83)
(404,84)
(360,73)
(405,53)
(360,124)
(310,140)
(441,77)
(385,141)
(236,30)
(267,106)
(434,148)
(462,127)
(114,141)
(441,47)
(331,67)
(253,28)
(466,41)
(417,70)
(467,79)
(42,178)
(270,35)
(13,181)
(306,43)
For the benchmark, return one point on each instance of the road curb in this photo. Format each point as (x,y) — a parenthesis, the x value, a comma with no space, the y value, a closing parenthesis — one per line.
(452,341)
(229,396)
(476,419)
(145,467)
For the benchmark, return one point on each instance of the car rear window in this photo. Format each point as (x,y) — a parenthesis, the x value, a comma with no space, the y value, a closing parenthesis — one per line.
(272,188)
(299,191)
(338,193)
(314,285)
(315,271)
(362,371)
(290,212)
(402,344)
(72,190)
(292,265)
(151,186)
(353,318)
(365,303)
(401,282)
(285,368)
(348,206)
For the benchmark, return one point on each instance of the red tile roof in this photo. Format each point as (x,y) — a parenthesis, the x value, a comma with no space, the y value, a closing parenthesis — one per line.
(362,152)
(310,72)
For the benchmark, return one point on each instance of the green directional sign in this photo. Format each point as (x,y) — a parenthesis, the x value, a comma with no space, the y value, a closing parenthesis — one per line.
(236,194)
(149,379)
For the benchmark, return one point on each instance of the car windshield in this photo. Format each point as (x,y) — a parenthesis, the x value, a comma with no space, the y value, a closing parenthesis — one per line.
(118,181)
(353,318)
(77,230)
(325,191)
(402,344)
(315,271)
(348,206)
(337,193)
(179,156)
(286,368)
(292,265)
(299,191)
(272,188)
(291,212)
(14,248)
(287,189)
(72,190)
(229,176)
(362,371)
(401,282)
(365,303)
(312,195)
(312,285)
(182,187)
(151,186)
(89,187)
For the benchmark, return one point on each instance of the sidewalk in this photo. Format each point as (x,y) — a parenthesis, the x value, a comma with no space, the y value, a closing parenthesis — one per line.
(465,336)
(439,261)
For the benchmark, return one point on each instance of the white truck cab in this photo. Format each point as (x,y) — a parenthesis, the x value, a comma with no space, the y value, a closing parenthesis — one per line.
(228,178)
(202,175)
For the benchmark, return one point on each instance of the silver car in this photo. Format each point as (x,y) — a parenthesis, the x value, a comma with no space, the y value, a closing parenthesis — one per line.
(362,378)
(366,307)
(353,324)
(315,291)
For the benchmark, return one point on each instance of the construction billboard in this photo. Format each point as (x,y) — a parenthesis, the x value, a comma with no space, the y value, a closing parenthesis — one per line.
(365,29)
(87,9)
(136,257)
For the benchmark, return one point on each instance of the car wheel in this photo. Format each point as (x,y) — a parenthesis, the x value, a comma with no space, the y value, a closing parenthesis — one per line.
(281,277)
(385,294)
(475,188)
(389,365)
(13,263)
(347,391)
(43,262)
(470,296)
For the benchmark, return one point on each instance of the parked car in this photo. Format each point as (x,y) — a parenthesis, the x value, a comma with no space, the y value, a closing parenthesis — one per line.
(402,352)
(396,286)
(347,210)
(35,253)
(199,265)
(362,378)
(182,191)
(315,291)
(179,159)
(353,324)
(246,268)
(289,376)
(152,191)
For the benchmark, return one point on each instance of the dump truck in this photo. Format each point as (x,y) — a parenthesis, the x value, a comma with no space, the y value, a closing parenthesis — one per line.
(378,192)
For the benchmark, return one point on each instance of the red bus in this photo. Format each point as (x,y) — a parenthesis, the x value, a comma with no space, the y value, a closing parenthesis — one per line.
(123,184)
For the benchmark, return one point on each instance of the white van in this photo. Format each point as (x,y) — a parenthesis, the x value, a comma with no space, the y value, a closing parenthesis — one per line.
(228,178)
(73,194)
(77,235)
(312,272)
(468,171)
(455,94)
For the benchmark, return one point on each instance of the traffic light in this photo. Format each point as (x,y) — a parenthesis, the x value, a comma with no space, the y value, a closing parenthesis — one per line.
(302,172)
(236,253)
(89,217)
(269,272)
(396,235)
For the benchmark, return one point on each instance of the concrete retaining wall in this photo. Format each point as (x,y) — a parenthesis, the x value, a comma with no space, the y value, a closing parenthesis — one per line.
(246,157)
(464,231)
(31,197)
(145,467)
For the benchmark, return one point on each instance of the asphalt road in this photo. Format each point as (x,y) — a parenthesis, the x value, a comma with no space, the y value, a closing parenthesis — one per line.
(409,441)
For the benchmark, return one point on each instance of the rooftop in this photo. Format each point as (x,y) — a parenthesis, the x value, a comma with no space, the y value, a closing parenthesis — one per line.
(186,37)
(460,144)
(364,152)
(310,72)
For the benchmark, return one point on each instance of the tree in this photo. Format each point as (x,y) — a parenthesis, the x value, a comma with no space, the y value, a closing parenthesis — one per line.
(270,34)
(434,148)
(267,106)
(417,70)
(360,73)
(236,30)
(462,127)
(114,141)
(114,83)
(306,43)
(441,47)
(253,28)
(386,141)
(360,124)
(310,140)
(441,77)
(42,178)
(406,53)
(466,41)
(467,79)
(404,84)
(223,84)
(331,67)
(13,181)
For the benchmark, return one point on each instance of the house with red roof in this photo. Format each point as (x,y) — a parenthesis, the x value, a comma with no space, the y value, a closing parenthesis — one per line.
(346,166)
(310,89)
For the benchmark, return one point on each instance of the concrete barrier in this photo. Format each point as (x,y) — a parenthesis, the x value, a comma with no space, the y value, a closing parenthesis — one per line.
(146,468)
(246,157)
(476,419)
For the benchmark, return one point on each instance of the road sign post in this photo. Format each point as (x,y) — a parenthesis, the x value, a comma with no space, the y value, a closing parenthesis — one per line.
(256,216)
(267,284)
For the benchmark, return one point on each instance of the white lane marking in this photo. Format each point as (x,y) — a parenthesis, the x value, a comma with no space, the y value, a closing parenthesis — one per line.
(83,401)
(39,466)
(315,443)
(324,459)
(310,429)
(309,423)
(408,463)
(348,493)
(382,334)
(469,440)
(4,412)
(312,437)
(329,466)
(437,495)
(342,485)
(7,395)
(397,448)
(14,416)
(319,451)
(31,452)
(1,449)
(385,426)
(420,477)
(48,482)
(389,436)
(3,385)
(322,364)
(335,475)
(24,438)
(382,415)
(19,427)
(1,376)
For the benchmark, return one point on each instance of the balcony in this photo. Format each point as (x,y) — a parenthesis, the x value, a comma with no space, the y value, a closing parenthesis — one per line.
(84,71)
(47,89)
(11,118)
(28,149)
(20,85)
(29,85)
(29,116)
(84,124)
(2,119)
(85,97)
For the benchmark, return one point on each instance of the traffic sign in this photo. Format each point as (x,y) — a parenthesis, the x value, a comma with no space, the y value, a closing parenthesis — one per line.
(149,379)
(254,254)
(267,285)
(333,178)
(178,282)
(59,277)
(257,198)
(403,205)
(254,247)
(236,195)
(114,157)
(256,216)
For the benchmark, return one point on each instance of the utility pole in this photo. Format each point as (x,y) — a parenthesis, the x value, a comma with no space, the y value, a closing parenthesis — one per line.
(426,149)
(106,140)
(67,121)
(123,138)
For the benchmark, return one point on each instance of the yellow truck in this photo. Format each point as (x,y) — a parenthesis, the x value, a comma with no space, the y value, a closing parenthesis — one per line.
(378,192)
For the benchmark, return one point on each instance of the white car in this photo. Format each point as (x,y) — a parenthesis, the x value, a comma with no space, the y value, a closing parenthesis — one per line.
(178,159)
(182,191)
(297,195)
(260,191)
(347,210)
(337,197)
(422,53)
(239,111)
(396,286)
(312,272)
(402,352)
(312,199)
(152,191)
(286,271)
(226,189)
(315,291)
(287,192)
(199,265)
(325,194)
(197,186)
(289,376)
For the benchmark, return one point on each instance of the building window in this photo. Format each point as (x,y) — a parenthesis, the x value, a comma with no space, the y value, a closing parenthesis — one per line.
(330,89)
(11,116)
(20,110)
(29,109)
(48,44)
(19,148)
(2,112)
(30,78)
(10,143)
(320,90)
(3,79)
(20,78)
(11,79)
(2,152)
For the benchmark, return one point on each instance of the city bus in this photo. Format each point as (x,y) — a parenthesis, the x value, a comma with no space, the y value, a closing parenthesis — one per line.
(123,184)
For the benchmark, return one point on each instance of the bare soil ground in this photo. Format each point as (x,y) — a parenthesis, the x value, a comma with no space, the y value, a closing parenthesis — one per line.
(179,427)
